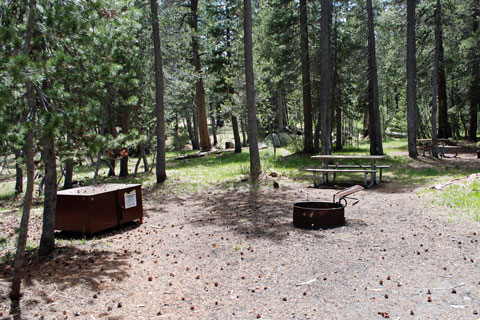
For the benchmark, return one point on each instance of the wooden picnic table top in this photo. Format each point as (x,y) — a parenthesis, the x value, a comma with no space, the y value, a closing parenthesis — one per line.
(430,140)
(348,157)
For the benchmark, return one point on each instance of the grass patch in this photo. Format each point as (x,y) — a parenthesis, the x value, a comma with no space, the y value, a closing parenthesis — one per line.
(228,169)
(464,200)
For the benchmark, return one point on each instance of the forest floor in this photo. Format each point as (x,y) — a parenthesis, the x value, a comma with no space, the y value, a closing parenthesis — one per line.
(233,253)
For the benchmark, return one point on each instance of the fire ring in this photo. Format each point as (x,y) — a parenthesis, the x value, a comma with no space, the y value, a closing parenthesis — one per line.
(319,214)
(316,215)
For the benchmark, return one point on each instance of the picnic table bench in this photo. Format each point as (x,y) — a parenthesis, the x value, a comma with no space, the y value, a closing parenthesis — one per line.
(442,147)
(369,171)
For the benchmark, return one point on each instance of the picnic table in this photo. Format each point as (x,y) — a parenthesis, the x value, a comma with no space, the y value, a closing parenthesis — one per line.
(442,146)
(365,164)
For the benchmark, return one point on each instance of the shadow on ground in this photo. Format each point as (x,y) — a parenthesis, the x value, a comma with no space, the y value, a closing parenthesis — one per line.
(255,213)
(67,267)
(118,230)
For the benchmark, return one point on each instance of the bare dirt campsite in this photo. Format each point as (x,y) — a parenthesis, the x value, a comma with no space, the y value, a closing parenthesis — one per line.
(230,250)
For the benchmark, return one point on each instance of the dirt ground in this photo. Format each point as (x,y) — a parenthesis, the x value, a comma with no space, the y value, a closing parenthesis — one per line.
(234,254)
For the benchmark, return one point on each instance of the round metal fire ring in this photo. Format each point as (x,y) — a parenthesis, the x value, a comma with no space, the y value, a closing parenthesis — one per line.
(316,214)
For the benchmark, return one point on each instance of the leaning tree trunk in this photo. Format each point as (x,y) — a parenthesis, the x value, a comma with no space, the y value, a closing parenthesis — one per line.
(255,168)
(159,103)
(444,130)
(475,82)
(18,172)
(200,90)
(47,240)
(374,129)
(28,153)
(325,108)
(412,108)
(236,134)
(306,87)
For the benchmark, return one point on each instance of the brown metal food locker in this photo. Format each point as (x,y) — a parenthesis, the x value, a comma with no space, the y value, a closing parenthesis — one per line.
(95,208)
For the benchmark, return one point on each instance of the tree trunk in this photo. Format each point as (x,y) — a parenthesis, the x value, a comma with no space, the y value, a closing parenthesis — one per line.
(123,163)
(191,132)
(435,79)
(244,130)
(200,90)
(112,162)
(18,172)
(280,111)
(99,154)
(47,240)
(214,129)
(325,108)
(336,101)
(68,183)
(161,174)
(141,154)
(474,94)
(195,127)
(236,134)
(374,128)
(444,130)
(28,153)
(306,87)
(412,108)
(255,168)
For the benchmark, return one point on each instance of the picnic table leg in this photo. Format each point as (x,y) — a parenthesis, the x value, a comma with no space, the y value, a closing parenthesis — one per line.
(315,179)
(372,179)
(324,179)
(442,151)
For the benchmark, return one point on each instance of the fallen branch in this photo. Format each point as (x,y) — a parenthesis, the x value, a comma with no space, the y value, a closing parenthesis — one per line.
(198,154)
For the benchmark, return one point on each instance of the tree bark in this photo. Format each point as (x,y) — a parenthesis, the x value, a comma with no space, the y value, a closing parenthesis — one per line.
(191,131)
(200,90)
(18,172)
(123,163)
(244,136)
(214,129)
(444,130)
(325,108)
(435,79)
(336,101)
(28,153)
(306,85)
(280,111)
(112,162)
(412,108)
(161,174)
(195,126)
(374,127)
(474,94)
(68,183)
(255,168)
(236,134)
(47,240)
